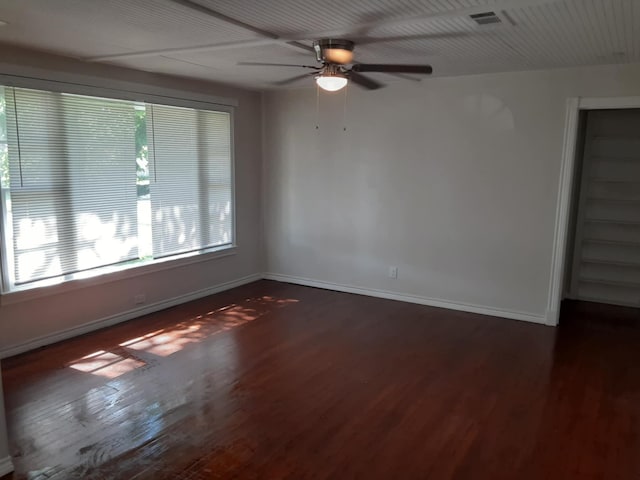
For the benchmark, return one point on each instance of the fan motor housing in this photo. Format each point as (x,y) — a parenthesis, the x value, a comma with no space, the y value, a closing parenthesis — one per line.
(334,50)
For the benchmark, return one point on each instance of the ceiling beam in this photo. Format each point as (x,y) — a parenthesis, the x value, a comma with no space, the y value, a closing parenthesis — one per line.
(294,41)
(242,25)
(193,49)
(404,76)
(225,18)
(267,38)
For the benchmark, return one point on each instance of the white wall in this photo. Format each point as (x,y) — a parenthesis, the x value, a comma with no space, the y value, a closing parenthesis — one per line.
(28,323)
(452,180)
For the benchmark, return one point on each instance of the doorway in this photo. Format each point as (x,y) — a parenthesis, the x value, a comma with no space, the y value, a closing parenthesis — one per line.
(602,262)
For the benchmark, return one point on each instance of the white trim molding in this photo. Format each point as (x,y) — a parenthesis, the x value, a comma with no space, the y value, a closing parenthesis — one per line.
(565,190)
(6,466)
(608,103)
(432,302)
(113,274)
(123,317)
(83,84)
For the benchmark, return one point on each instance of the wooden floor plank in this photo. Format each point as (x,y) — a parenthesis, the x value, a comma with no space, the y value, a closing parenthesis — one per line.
(276,381)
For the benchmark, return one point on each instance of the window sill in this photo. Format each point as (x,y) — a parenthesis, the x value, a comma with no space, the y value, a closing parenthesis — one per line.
(118,274)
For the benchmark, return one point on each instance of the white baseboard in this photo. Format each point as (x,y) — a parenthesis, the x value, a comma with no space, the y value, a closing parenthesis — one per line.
(123,317)
(138,312)
(432,302)
(6,466)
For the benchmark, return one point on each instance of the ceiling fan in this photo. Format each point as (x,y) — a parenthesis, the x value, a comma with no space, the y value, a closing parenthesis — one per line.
(336,67)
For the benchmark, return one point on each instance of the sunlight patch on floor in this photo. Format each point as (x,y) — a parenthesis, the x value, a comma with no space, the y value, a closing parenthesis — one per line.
(106,364)
(170,340)
(112,363)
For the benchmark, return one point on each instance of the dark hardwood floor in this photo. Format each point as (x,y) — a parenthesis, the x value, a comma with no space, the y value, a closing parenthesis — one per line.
(273,381)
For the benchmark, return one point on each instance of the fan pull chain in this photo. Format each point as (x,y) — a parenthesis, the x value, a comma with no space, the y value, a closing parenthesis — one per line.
(317,107)
(344,115)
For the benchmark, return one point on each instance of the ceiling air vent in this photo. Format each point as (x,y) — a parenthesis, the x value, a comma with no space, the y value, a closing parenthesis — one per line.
(485,18)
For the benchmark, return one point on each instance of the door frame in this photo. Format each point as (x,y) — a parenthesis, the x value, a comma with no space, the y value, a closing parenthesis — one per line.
(575,105)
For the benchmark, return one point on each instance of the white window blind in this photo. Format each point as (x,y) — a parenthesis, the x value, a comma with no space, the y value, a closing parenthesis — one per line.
(72,182)
(88,183)
(190,179)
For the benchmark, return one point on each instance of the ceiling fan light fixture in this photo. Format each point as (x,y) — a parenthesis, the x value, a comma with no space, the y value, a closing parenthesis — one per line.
(338,55)
(331,50)
(331,82)
(336,69)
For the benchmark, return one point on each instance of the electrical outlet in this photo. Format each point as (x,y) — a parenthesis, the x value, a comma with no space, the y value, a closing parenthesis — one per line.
(139,298)
(393,272)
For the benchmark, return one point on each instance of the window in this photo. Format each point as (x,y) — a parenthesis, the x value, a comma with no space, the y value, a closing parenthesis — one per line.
(89,184)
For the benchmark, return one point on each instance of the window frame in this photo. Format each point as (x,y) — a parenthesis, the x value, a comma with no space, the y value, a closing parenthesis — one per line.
(10,294)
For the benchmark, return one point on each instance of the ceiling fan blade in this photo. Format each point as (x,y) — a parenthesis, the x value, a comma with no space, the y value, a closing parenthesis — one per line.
(390,68)
(364,81)
(301,45)
(288,81)
(262,64)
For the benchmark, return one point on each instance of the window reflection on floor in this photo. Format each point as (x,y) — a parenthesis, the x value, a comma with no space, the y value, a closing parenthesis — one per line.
(112,363)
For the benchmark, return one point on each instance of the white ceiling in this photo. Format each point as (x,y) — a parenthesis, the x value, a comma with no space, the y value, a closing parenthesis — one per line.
(169,37)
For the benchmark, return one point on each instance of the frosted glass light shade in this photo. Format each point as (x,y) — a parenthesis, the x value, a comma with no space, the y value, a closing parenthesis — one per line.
(331,83)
